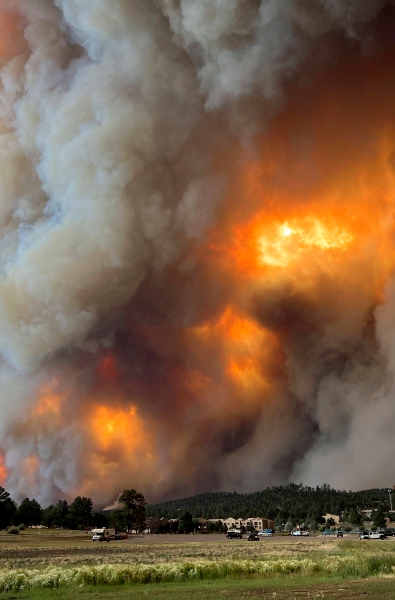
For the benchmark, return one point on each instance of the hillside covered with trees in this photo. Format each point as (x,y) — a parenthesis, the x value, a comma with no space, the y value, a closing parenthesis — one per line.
(278,503)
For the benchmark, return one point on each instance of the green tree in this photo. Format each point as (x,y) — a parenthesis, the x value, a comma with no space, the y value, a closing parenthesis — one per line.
(7,509)
(378,518)
(118,520)
(355,518)
(49,516)
(185,524)
(79,513)
(29,512)
(100,520)
(329,523)
(133,505)
(55,515)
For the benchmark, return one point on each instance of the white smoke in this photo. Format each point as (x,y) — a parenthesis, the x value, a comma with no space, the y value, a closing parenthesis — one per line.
(110,124)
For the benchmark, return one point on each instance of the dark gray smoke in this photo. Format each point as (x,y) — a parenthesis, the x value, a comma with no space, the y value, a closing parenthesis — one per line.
(122,126)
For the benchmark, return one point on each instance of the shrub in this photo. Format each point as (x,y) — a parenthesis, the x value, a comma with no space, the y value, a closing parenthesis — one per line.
(13,530)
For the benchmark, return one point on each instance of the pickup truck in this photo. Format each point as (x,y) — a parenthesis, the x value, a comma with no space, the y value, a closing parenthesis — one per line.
(371,536)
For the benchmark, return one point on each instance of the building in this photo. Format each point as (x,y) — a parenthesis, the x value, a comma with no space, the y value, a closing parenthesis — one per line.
(202,525)
(335,518)
(258,523)
(163,525)
(367,513)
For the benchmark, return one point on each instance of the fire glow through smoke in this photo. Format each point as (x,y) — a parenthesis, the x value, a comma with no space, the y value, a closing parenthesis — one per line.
(197,253)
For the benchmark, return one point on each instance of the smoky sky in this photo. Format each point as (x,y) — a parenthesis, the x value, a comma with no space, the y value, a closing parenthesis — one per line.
(138,141)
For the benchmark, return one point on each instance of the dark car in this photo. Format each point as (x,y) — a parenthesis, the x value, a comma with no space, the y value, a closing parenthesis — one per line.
(234,534)
(384,533)
(339,534)
(253,537)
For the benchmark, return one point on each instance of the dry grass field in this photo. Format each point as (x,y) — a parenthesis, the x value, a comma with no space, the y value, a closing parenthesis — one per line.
(179,566)
(37,548)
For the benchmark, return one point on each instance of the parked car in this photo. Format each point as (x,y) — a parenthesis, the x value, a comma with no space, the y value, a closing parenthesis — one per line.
(384,533)
(253,536)
(377,536)
(304,533)
(234,534)
(371,536)
(265,534)
(339,534)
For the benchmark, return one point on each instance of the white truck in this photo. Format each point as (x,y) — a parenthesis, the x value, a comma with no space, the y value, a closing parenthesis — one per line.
(103,534)
(371,536)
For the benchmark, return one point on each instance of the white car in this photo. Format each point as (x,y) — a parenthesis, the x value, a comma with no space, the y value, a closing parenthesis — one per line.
(376,536)
(371,536)
(265,534)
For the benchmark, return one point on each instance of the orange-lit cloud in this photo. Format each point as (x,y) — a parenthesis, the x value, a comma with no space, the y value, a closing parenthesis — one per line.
(199,268)
(49,402)
(117,428)
(3,471)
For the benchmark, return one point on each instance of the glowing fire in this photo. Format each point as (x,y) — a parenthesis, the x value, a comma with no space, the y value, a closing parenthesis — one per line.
(243,346)
(282,244)
(236,328)
(336,232)
(3,471)
(117,428)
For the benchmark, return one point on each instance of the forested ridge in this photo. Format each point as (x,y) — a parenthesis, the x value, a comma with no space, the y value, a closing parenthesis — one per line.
(291,501)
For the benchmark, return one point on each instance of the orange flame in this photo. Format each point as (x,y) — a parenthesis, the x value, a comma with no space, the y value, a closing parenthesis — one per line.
(3,471)
(244,349)
(117,428)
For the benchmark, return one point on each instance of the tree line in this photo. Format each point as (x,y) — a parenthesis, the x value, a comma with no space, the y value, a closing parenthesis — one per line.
(288,506)
(79,514)
(292,503)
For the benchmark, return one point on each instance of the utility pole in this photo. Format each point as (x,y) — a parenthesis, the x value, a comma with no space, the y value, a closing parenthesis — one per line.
(389,493)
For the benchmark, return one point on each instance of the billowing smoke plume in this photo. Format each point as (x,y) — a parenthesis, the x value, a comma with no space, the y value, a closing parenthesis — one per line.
(196,240)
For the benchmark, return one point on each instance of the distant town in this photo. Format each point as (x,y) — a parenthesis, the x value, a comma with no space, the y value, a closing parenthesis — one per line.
(283,509)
